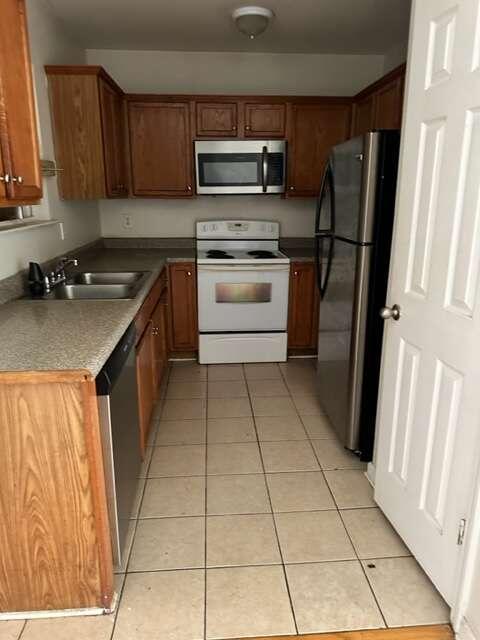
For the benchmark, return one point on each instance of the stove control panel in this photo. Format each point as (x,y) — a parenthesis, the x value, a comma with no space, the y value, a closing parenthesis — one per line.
(248,229)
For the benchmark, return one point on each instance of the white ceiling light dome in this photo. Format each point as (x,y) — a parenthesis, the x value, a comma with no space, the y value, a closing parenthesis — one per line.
(252,21)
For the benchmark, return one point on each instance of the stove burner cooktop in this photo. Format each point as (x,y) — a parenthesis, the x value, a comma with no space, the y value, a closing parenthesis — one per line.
(218,254)
(261,253)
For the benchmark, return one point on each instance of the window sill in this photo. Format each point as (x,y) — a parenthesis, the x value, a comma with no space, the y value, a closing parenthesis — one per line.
(8,226)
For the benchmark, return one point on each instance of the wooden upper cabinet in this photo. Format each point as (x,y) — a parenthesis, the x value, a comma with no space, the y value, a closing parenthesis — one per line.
(303,306)
(114,140)
(313,130)
(380,105)
(20,175)
(161,148)
(363,116)
(265,120)
(389,104)
(88,129)
(183,307)
(216,119)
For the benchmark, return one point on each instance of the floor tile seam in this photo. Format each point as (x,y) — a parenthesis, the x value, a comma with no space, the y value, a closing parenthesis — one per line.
(19,637)
(374,595)
(205,530)
(287,586)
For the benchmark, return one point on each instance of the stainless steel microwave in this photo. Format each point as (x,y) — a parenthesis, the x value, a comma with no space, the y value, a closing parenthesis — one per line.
(240,166)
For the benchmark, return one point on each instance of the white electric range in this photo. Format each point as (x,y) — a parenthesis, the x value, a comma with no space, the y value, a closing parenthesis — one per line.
(243,281)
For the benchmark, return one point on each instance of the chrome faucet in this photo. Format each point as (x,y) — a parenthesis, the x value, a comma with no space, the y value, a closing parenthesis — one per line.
(58,274)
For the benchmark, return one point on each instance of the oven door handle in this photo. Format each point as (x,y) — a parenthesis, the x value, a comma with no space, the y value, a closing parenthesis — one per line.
(243,267)
(264,169)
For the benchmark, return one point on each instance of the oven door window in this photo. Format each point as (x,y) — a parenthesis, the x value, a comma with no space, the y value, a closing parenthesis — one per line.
(243,292)
(230,169)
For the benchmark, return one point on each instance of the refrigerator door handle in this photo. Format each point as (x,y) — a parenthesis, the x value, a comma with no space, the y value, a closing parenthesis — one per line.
(326,190)
(323,280)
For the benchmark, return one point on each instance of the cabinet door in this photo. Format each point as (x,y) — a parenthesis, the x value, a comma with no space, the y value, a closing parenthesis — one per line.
(303,306)
(161,149)
(265,120)
(183,307)
(145,382)
(363,116)
(114,148)
(216,119)
(159,341)
(18,121)
(313,131)
(389,105)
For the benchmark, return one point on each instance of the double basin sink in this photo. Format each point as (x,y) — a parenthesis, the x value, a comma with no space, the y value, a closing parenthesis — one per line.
(100,285)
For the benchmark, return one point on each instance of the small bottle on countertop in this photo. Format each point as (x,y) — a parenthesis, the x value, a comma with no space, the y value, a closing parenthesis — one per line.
(36,280)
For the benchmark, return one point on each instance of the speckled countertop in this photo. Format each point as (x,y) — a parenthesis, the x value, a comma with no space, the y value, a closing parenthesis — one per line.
(81,334)
(77,334)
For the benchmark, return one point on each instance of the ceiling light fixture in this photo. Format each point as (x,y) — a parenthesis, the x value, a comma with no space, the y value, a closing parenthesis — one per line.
(252,21)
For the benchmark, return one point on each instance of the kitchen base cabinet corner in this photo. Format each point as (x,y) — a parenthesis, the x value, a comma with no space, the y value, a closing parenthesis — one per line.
(55,549)
(303,307)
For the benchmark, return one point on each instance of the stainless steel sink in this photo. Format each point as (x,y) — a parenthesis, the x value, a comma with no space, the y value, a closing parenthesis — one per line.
(93,292)
(108,277)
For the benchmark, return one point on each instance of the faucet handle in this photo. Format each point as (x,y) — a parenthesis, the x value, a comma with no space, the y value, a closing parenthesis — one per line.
(67,260)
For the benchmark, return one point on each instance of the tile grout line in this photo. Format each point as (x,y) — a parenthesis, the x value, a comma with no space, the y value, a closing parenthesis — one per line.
(205,542)
(22,630)
(363,571)
(271,507)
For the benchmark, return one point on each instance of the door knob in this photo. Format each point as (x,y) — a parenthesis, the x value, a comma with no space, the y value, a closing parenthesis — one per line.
(388,313)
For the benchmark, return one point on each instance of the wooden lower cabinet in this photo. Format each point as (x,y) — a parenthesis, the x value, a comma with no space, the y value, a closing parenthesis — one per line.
(152,352)
(183,307)
(303,306)
(55,549)
(145,382)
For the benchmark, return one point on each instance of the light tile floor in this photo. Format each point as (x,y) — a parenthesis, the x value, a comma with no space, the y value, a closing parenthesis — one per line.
(252,520)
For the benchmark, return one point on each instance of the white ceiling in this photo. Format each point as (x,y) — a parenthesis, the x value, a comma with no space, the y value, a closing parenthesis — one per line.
(300,26)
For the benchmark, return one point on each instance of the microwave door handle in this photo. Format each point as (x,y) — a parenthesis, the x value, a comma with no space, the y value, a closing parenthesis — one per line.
(264,169)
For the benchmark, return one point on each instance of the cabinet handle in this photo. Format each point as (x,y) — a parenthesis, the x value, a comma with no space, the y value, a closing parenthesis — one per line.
(295,273)
(189,187)
(5,178)
(234,128)
(248,127)
(292,188)
(189,273)
(18,179)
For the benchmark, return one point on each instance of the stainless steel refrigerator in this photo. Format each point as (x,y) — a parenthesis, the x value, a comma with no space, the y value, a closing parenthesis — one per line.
(353,233)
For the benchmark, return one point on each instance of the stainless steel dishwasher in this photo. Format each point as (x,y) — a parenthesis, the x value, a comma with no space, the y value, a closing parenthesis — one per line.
(118,408)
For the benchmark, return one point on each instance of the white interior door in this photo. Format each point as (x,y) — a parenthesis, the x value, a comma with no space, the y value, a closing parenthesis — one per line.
(429,408)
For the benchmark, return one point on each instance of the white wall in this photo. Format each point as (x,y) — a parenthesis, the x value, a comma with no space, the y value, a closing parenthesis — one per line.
(81,221)
(395,56)
(225,73)
(176,218)
(233,72)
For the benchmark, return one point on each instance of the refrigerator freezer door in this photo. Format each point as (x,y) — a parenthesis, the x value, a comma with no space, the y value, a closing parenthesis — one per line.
(341,339)
(354,165)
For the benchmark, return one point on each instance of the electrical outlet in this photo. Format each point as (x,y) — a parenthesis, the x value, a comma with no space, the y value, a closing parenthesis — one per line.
(127,221)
